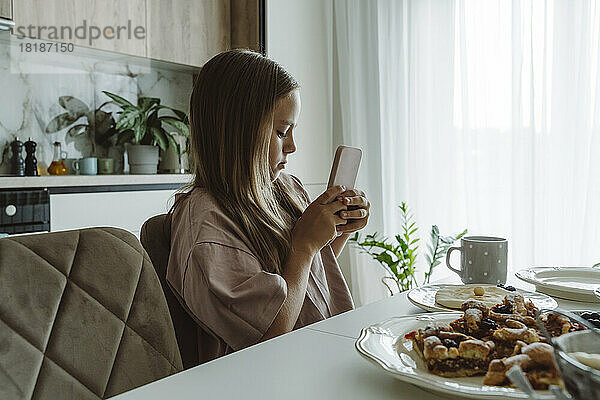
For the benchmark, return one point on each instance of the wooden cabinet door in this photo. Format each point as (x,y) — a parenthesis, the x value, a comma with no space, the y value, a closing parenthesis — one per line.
(183,31)
(5,9)
(188,31)
(115,19)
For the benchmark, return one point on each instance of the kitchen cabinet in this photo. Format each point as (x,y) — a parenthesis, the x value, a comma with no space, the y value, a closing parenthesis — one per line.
(182,31)
(111,17)
(50,13)
(6,9)
(188,31)
(126,210)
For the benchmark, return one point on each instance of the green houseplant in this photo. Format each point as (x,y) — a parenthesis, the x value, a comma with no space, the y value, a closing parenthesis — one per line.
(95,125)
(142,128)
(399,257)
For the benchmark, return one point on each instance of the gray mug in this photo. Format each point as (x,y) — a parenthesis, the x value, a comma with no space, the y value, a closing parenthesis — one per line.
(72,165)
(88,166)
(483,259)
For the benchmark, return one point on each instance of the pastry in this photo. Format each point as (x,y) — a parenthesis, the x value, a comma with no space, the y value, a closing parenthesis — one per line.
(489,340)
(451,354)
(455,296)
(536,360)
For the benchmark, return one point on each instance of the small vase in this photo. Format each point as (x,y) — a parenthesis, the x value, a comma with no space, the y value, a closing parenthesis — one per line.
(116,153)
(143,159)
(170,161)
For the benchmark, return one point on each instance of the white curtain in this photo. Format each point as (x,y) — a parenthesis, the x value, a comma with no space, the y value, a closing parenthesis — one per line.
(480,114)
(357,122)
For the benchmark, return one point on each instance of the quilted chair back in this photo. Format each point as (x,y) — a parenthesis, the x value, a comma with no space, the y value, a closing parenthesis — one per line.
(82,316)
(155,236)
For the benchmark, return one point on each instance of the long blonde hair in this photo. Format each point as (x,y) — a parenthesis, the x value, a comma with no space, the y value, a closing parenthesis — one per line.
(231,121)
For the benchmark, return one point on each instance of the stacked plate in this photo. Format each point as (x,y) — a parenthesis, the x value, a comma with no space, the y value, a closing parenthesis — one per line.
(572,283)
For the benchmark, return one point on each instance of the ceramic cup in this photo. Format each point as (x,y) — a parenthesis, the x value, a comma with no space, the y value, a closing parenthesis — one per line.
(88,166)
(106,166)
(483,259)
(73,165)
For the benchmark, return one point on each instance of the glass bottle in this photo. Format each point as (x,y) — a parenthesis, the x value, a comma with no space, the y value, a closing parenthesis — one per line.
(58,166)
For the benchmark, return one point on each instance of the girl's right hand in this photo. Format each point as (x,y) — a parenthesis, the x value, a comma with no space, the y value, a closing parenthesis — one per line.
(316,227)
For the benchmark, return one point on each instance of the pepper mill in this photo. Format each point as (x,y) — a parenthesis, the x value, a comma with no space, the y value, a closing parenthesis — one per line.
(30,160)
(17,163)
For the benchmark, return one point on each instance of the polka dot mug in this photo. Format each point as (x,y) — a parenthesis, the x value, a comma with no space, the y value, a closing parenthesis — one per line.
(482,259)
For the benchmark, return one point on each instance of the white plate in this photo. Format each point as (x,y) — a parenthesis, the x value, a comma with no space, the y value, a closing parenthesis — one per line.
(384,345)
(424,297)
(572,283)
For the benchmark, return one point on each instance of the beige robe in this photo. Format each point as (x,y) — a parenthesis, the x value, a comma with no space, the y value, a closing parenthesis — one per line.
(234,301)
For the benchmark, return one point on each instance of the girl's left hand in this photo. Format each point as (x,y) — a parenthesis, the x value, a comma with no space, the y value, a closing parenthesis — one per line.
(358,218)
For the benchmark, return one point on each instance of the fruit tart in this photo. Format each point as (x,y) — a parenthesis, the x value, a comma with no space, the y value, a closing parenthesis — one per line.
(490,340)
(451,354)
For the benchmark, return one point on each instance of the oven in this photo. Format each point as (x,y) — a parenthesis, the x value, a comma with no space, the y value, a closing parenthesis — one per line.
(24,211)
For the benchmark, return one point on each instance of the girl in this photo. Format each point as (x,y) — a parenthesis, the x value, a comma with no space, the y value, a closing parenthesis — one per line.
(251,256)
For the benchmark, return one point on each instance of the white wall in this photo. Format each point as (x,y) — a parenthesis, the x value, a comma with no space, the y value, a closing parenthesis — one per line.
(125,210)
(299,36)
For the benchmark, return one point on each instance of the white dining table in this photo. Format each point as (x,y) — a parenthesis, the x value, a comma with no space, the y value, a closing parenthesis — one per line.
(316,362)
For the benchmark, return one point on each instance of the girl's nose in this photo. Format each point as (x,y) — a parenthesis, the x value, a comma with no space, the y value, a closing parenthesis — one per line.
(289,145)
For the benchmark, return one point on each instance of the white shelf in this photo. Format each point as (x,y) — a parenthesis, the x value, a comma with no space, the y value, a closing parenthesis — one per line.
(20,182)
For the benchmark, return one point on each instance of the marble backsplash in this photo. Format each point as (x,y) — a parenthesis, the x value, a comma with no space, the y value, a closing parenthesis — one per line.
(31,84)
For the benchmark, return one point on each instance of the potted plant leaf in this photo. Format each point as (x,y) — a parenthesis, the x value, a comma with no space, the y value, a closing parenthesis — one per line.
(141,127)
(97,124)
(399,258)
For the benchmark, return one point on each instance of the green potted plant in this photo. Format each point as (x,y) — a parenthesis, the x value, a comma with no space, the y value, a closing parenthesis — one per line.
(399,258)
(141,128)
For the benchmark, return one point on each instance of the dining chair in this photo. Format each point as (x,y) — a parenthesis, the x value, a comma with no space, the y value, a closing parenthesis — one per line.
(82,316)
(155,236)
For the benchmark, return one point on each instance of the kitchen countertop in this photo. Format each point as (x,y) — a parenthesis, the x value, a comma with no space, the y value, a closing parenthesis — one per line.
(48,181)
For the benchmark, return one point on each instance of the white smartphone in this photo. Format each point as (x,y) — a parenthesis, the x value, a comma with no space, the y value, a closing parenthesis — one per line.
(345,167)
